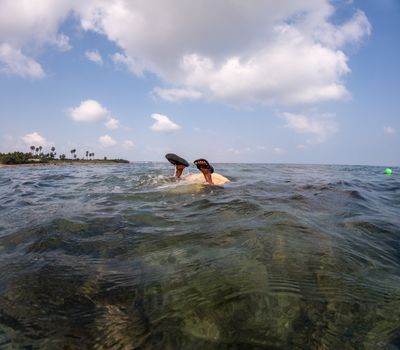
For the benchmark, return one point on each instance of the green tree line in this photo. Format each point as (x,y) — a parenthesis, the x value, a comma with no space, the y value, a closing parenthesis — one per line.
(36,155)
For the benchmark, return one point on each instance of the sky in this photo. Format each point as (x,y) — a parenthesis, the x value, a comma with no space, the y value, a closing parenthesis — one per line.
(306,81)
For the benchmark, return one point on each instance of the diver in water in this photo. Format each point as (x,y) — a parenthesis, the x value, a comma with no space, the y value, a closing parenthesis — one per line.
(181,164)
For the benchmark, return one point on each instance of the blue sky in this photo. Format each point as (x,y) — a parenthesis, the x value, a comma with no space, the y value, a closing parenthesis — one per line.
(311,81)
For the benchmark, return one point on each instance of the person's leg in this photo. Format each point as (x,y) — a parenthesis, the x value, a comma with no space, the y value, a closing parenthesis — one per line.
(178,170)
(207,175)
(206,169)
(180,163)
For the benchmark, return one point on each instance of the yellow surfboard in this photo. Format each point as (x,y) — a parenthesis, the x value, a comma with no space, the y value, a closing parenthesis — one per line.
(218,179)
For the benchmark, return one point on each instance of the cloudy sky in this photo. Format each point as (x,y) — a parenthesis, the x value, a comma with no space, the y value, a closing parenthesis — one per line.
(306,81)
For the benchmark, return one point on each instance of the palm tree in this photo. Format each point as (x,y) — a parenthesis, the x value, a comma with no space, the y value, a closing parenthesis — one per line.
(40,150)
(52,153)
(33,148)
(73,151)
(87,154)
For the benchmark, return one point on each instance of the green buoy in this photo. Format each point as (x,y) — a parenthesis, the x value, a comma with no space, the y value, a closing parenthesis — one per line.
(388,171)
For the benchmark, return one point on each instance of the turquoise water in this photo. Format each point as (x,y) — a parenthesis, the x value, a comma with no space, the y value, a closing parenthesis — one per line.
(124,257)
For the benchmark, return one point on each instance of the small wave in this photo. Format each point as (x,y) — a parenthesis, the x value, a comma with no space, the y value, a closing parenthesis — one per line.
(288,256)
(5,181)
(57,177)
(155,180)
(284,285)
(354,194)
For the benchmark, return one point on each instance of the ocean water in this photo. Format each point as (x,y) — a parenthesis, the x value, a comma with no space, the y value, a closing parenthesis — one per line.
(125,257)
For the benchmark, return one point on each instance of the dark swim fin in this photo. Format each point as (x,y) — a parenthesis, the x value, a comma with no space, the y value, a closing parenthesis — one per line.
(202,163)
(176,160)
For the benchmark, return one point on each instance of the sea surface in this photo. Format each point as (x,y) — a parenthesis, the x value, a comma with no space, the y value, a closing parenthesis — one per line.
(125,257)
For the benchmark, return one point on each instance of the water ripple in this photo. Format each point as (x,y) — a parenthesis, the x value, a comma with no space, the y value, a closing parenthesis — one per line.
(125,256)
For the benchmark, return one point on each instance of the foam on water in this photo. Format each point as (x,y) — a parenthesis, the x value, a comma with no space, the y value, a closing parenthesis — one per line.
(126,256)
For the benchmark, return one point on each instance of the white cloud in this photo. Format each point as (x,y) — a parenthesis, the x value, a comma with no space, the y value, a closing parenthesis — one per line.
(89,111)
(94,56)
(112,123)
(320,127)
(246,150)
(389,130)
(107,141)
(13,61)
(350,32)
(284,52)
(132,65)
(26,27)
(271,77)
(27,22)
(301,147)
(34,139)
(278,150)
(62,42)
(128,144)
(163,123)
(234,151)
(174,95)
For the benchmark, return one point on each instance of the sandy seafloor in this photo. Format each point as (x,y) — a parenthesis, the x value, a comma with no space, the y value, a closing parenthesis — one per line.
(125,257)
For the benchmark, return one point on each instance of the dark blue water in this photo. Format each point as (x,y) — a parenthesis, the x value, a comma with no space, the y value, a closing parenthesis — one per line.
(123,257)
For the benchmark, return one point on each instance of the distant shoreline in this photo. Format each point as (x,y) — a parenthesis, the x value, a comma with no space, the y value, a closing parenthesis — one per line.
(67,162)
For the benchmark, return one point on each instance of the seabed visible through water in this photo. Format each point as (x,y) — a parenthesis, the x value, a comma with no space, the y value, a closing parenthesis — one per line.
(125,257)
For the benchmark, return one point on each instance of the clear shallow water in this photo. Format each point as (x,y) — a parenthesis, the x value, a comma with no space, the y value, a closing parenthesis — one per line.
(121,256)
